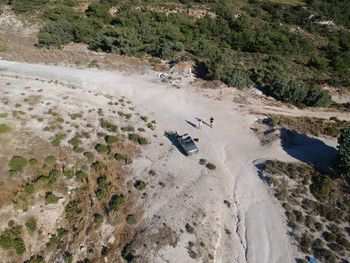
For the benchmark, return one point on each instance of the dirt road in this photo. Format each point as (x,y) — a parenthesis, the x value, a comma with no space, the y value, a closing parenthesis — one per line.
(252,228)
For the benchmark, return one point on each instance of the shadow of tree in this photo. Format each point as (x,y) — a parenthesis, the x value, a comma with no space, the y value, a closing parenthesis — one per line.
(307,149)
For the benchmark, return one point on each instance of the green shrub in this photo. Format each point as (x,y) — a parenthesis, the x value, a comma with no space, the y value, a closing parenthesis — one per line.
(128,129)
(139,185)
(189,228)
(100,193)
(80,175)
(210,166)
(56,33)
(343,241)
(11,238)
(142,140)
(318,243)
(111,139)
(69,174)
(52,177)
(137,138)
(61,232)
(102,183)
(150,126)
(76,140)
(318,62)
(22,6)
(33,161)
(108,126)
(321,187)
(3,115)
(202,161)
(31,224)
(29,188)
(71,209)
(287,91)
(98,166)
(131,219)
(238,78)
(4,128)
(50,160)
(78,149)
(101,148)
(306,242)
(122,157)
(89,155)
(51,198)
(17,163)
(329,237)
(54,242)
(58,138)
(99,11)
(317,98)
(220,66)
(98,218)
(119,157)
(93,64)
(133,137)
(115,202)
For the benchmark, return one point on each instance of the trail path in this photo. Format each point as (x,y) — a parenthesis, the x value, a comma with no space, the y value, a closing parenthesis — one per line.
(256,222)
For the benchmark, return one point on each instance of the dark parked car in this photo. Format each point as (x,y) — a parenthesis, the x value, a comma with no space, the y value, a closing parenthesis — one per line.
(187,144)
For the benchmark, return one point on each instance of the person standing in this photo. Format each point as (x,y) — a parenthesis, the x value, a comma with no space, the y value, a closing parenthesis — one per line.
(211,122)
(200,124)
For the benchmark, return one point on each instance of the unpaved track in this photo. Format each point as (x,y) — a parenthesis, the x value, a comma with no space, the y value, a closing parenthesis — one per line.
(259,232)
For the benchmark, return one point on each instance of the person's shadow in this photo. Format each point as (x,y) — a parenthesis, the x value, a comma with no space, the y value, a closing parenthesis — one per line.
(192,124)
(198,119)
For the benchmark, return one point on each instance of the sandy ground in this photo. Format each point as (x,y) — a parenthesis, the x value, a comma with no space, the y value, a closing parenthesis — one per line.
(253,228)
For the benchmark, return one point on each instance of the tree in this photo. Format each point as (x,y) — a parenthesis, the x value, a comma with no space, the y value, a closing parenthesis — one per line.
(287,90)
(321,187)
(342,163)
(238,78)
(99,11)
(221,66)
(318,98)
(56,33)
(318,62)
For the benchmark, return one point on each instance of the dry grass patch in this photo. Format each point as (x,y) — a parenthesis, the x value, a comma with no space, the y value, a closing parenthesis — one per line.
(313,126)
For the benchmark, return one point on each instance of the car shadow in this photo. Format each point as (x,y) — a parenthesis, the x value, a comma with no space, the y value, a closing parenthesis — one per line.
(308,149)
(172,137)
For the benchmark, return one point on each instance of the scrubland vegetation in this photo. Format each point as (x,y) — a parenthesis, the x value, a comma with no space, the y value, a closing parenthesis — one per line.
(76,173)
(316,203)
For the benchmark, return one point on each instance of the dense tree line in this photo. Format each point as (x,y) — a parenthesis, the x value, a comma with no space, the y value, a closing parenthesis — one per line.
(263,28)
